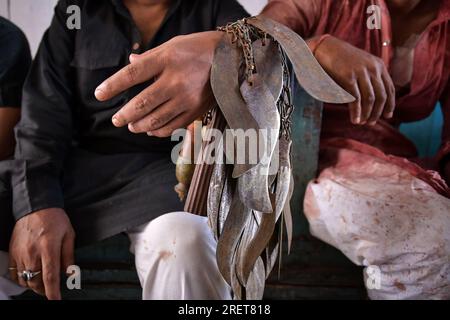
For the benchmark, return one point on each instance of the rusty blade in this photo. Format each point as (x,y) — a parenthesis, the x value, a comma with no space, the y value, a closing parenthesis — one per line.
(256,247)
(229,239)
(217,187)
(226,89)
(267,221)
(253,186)
(287,214)
(236,286)
(225,201)
(261,99)
(256,282)
(283,177)
(269,65)
(283,194)
(310,74)
(250,230)
(271,252)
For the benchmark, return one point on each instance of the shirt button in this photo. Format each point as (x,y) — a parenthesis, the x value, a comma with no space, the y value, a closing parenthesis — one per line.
(136,46)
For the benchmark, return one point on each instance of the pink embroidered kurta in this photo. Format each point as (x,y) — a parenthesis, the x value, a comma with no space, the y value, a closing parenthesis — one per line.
(347,20)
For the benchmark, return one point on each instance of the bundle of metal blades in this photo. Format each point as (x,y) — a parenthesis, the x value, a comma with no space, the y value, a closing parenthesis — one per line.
(248,203)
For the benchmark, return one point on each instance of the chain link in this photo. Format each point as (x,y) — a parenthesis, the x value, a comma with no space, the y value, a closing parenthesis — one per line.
(244,35)
(285,103)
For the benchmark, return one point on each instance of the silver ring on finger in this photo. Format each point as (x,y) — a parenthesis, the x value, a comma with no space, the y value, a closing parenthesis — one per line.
(28,275)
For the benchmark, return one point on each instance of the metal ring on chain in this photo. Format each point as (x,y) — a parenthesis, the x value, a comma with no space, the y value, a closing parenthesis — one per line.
(28,275)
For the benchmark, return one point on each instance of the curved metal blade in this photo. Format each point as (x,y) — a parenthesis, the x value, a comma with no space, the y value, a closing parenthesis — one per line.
(269,65)
(228,241)
(271,254)
(253,186)
(250,230)
(287,214)
(283,177)
(283,194)
(216,189)
(225,201)
(256,282)
(256,247)
(310,74)
(235,284)
(268,221)
(226,89)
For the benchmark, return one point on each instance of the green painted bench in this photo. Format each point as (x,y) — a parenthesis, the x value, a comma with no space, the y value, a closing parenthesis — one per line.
(314,270)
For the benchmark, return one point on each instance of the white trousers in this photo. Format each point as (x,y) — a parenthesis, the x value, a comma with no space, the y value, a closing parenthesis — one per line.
(175,260)
(388,221)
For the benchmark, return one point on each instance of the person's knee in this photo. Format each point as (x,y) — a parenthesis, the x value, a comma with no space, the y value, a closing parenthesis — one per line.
(180,235)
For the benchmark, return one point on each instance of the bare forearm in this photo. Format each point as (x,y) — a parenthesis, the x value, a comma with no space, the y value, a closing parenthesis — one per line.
(282,12)
(287,13)
(8,119)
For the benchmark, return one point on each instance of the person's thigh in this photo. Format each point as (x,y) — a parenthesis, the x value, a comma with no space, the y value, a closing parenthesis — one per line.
(388,219)
(176,259)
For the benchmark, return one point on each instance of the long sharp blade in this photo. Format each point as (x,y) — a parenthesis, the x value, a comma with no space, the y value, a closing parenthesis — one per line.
(310,74)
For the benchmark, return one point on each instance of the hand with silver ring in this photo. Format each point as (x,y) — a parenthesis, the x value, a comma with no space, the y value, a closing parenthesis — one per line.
(41,248)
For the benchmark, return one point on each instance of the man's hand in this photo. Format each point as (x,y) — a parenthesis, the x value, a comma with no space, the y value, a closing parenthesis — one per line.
(181,92)
(42,241)
(362,75)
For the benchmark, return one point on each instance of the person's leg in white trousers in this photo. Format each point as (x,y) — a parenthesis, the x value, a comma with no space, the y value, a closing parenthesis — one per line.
(176,259)
(391,221)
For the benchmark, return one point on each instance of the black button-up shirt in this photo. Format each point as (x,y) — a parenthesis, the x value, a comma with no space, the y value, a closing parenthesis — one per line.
(59,107)
(15,60)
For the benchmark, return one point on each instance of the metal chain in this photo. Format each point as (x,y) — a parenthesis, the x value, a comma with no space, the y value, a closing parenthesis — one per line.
(244,35)
(285,103)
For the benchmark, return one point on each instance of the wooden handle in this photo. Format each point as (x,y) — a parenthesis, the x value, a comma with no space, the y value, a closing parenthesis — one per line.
(196,202)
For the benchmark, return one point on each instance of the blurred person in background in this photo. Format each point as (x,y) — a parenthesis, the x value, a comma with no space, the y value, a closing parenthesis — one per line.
(15,60)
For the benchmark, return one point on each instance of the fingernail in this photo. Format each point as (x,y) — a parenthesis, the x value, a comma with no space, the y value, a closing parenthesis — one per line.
(116,122)
(100,92)
(150,134)
(390,115)
(372,123)
(131,128)
(358,120)
(133,56)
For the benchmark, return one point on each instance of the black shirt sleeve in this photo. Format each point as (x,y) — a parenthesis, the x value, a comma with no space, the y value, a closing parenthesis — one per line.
(15,60)
(229,11)
(6,218)
(44,133)
(52,100)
